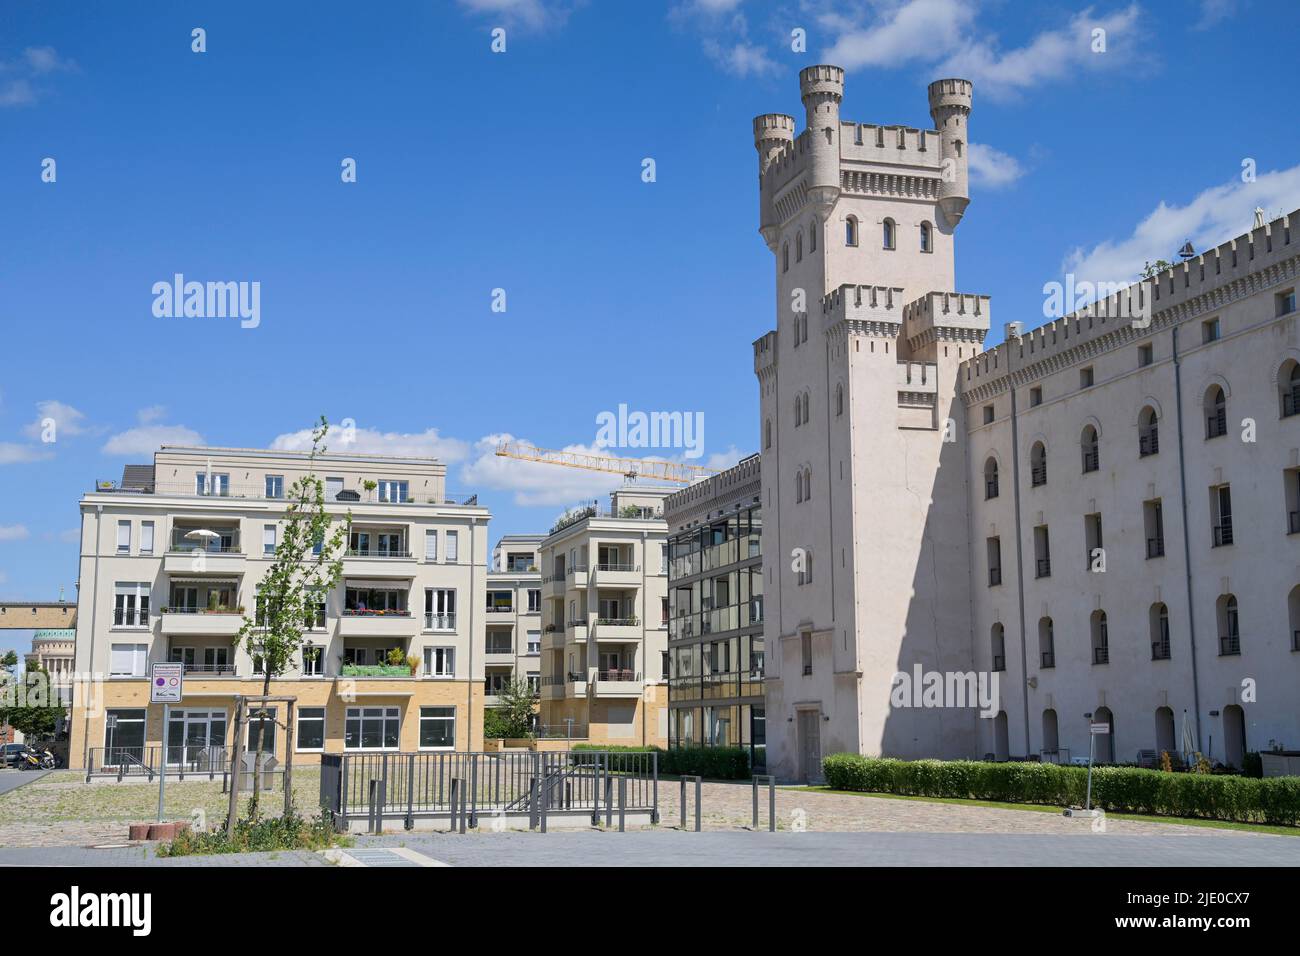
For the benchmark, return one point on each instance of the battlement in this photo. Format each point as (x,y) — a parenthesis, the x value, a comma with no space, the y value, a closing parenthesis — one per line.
(950,93)
(764,353)
(821,79)
(946,317)
(893,145)
(918,377)
(1155,303)
(879,307)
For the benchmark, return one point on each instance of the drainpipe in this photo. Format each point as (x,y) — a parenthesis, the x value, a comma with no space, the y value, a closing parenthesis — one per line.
(1020,558)
(1187,545)
(473,569)
(94,607)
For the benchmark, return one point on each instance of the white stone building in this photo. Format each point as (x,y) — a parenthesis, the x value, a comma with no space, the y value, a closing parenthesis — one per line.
(884,426)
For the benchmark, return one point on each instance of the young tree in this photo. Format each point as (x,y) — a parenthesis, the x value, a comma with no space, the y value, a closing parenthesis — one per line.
(30,703)
(307,565)
(513,717)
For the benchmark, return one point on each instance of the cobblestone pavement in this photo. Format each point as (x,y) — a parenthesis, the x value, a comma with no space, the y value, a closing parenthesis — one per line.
(730,806)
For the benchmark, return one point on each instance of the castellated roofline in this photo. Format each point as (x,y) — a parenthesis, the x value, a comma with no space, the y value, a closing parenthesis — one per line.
(1263,257)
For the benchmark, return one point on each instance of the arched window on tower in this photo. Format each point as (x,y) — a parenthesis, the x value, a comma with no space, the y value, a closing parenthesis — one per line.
(1089,446)
(767,433)
(887,234)
(798,247)
(785,257)
(807,484)
(1148,432)
(851,231)
(839,400)
(1216,412)
(926,238)
(812,236)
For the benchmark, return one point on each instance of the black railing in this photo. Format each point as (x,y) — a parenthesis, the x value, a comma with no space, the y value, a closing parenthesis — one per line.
(1049,658)
(1291,402)
(995,577)
(1038,475)
(618,675)
(1230,645)
(999,662)
(1043,568)
(1293,522)
(1148,443)
(1216,425)
(1295,640)
(991,489)
(1091,461)
(1160,650)
(1101,655)
(399,787)
(1155,547)
(1223,533)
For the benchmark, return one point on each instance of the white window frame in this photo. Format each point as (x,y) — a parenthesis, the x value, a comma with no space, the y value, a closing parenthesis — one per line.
(146,537)
(124,537)
(534,642)
(439,663)
(140,590)
(389,713)
(431,545)
(453,547)
(267,487)
(139,659)
(422,719)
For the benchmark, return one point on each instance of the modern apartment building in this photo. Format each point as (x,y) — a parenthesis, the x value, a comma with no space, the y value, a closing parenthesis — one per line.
(513,648)
(171,559)
(934,509)
(715,613)
(605,614)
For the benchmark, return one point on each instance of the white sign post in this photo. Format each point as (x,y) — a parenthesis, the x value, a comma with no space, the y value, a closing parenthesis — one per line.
(1095,730)
(166,687)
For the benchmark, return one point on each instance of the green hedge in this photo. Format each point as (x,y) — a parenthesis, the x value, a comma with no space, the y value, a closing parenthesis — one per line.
(716,763)
(1275,800)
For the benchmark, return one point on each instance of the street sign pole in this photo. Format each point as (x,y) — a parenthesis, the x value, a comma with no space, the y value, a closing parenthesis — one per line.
(162,769)
(1092,749)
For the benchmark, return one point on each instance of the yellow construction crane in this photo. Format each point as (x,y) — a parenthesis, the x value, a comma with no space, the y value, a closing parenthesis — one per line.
(627,467)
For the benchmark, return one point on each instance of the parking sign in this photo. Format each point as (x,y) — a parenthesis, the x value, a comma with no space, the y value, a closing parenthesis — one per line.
(166,683)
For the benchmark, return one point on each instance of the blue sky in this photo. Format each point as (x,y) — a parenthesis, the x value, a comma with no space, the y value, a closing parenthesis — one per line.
(522,171)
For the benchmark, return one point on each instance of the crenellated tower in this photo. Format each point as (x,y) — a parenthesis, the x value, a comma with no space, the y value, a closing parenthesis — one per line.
(864,496)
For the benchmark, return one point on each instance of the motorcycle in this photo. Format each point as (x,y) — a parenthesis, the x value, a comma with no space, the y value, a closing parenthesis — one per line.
(37,760)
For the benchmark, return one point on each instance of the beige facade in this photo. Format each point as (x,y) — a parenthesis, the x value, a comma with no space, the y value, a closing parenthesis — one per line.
(605,625)
(170,564)
(513,648)
(934,508)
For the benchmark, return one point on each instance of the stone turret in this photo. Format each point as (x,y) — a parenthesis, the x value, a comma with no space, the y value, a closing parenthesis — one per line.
(822,89)
(950,109)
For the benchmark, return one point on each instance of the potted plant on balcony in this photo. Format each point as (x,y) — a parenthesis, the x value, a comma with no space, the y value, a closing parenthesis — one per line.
(370,486)
(413,663)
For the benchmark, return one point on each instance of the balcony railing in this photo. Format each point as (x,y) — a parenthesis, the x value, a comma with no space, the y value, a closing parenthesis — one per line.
(995,577)
(440,622)
(1160,650)
(498,648)
(1101,655)
(1049,659)
(1043,568)
(1295,640)
(374,612)
(500,609)
(1230,645)
(625,674)
(1038,475)
(991,489)
(1223,534)
(1291,402)
(211,670)
(616,622)
(1091,461)
(611,566)
(1293,522)
(1148,444)
(1155,547)
(999,662)
(377,553)
(196,609)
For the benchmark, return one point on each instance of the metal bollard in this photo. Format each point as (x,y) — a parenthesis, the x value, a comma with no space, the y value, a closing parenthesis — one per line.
(699,784)
(455,795)
(609,801)
(771,801)
(622,802)
(464,805)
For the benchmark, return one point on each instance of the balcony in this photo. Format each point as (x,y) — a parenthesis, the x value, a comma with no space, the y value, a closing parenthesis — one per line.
(554,586)
(1038,475)
(990,489)
(1160,650)
(182,621)
(618,629)
(1216,425)
(620,683)
(576,631)
(1043,568)
(1230,645)
(1049,659)
(439,622)
(1223,533)
(1101,655)
(1091,461)
(1148,444)
(1155,548)
(379,562)
(190,558)
(617,575)
(498,651)
(576,579)
(999,662)
(378,624)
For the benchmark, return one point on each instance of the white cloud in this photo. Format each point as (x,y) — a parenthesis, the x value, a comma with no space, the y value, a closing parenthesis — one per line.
(1214,216)
(992,168)
(367,441)
(68,421)
(944,35)
(16,87)
(740,59)
(724,35)
(12,453)
(13,532)
(147,416)
(147,439)
(532,14)
(901,33)
(45,59)
(1213,12)
(1051,55)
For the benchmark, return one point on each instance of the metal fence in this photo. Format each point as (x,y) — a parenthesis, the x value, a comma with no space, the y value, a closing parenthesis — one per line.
(379,786)
(183,760)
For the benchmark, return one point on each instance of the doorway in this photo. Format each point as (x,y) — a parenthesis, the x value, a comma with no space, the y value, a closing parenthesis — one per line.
(1234,735)
(810,745)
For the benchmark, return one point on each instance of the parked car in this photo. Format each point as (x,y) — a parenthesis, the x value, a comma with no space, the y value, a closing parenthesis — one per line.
(12,755)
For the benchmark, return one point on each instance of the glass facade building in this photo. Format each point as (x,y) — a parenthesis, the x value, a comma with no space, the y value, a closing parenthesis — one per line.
(715,614)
